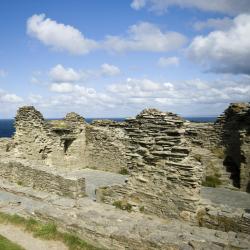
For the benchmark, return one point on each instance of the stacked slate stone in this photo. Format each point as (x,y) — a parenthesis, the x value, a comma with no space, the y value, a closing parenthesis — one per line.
(108,123)
(202,134)
(163,178)
(29,137)
(234,128)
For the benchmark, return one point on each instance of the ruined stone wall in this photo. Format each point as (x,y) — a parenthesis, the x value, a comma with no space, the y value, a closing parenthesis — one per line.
(4,145)
(69,142)
(202,134)
(234,126)
(164,179)
(105,148)
(41,179)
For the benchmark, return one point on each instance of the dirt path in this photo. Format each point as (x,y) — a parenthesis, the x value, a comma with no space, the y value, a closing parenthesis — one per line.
(27,241)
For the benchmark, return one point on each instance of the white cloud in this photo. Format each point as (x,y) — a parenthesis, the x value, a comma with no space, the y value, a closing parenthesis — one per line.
(214,23)
(224,51)
(148,93)
(196,96)
(9,98)
(62,87)
(71,88)
(59,36)
(141,88)
(109,70)
(223,6)
(138,4)
(168,61)
(61,74)
(145,37)
(34,98)
(3,73)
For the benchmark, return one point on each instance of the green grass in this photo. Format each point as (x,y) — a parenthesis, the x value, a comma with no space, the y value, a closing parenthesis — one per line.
(5,244)
(123,205)
(212,181)
(46,231)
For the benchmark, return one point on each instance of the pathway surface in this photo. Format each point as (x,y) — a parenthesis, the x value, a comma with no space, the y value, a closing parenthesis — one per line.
(228,197)
(115,229)
(97,178)
(27,241)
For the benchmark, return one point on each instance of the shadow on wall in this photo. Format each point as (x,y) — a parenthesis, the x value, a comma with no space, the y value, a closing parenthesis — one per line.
(234,169)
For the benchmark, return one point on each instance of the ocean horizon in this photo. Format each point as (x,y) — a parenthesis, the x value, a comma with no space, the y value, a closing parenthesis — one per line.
(7,128)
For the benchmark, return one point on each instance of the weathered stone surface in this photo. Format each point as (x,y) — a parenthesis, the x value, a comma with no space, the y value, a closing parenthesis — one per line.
(105,226)
(234,127)
(165,159)
(42,179)
(156,184)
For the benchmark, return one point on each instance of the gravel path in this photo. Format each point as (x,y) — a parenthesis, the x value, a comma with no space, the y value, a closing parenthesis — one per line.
(27,241)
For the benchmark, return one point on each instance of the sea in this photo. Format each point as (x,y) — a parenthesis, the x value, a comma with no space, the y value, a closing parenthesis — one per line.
(7,128)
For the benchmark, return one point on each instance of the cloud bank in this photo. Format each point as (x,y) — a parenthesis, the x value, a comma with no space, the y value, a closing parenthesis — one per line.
(223,6)
(224,51)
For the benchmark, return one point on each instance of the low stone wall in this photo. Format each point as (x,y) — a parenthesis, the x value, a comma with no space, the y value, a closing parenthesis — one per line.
(229,219)
(43,180)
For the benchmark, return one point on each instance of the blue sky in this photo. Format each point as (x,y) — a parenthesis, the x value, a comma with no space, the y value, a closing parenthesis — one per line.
(114,58)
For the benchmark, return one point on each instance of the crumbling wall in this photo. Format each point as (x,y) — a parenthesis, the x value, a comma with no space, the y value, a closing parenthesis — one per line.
(41,179)
(105,148)
(31,139)
(234,127)
(69,142)
(5,145)
(164,179)
(202,134)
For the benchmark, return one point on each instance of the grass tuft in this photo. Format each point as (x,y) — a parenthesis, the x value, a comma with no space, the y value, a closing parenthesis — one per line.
(123,171)
(123,205)
(212,181)
(46,231)
(6,244)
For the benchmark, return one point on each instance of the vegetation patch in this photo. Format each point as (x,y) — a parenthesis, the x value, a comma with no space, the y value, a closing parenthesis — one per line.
(212,181)
(142,209)
(6,244)
(46,231)
(123,171)
(20,183)
(123,205)
(219,152)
